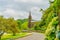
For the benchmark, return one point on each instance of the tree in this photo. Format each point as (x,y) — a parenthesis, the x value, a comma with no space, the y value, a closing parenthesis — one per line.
(13,26)
(2,26)
(8,26)
(20,22)
(24,26)
(58,12)
(50,19)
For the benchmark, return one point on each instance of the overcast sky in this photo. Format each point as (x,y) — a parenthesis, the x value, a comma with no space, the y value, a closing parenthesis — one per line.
(19,9)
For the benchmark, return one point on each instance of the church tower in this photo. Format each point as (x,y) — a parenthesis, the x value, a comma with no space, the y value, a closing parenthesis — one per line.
(29,20)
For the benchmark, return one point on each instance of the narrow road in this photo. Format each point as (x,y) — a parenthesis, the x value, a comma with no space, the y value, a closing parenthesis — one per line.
(34,36)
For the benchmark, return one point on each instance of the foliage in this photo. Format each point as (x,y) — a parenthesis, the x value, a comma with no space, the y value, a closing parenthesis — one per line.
(11,23)
(51,29)
(20,22)
(24,26)
(50,21)
(9,36)
(8,26)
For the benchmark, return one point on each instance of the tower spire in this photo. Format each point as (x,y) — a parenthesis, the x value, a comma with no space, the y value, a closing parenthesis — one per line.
(29,19)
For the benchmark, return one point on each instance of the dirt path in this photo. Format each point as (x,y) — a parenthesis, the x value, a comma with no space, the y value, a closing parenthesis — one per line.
(34,36)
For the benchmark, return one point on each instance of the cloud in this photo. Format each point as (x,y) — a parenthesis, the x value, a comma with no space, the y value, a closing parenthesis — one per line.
(36,14)
(13,13)
(0,13)
(20,8)
(10,12)
(34,1)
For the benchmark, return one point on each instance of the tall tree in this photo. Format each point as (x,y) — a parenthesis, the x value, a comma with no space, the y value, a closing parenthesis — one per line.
(50,20)
(2,26)
(58,12)
(12,24)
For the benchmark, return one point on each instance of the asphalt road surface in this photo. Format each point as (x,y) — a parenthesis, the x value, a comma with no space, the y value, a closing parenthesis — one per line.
(34,36)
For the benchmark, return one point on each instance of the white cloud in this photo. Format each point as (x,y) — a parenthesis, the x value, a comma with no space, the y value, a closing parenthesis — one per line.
(35,9)
(10,12)
(13,13)
(20,8)
(34,1)
(0,13)
(21,14)
(36,14)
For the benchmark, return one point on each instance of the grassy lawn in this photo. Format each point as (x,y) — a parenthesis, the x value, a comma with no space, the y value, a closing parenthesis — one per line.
(9,36)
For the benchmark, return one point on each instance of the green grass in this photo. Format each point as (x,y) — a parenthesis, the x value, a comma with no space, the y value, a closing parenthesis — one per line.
(9,36)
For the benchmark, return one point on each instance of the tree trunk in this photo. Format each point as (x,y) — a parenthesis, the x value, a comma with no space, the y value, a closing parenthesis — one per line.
(14,34)
(1,35)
